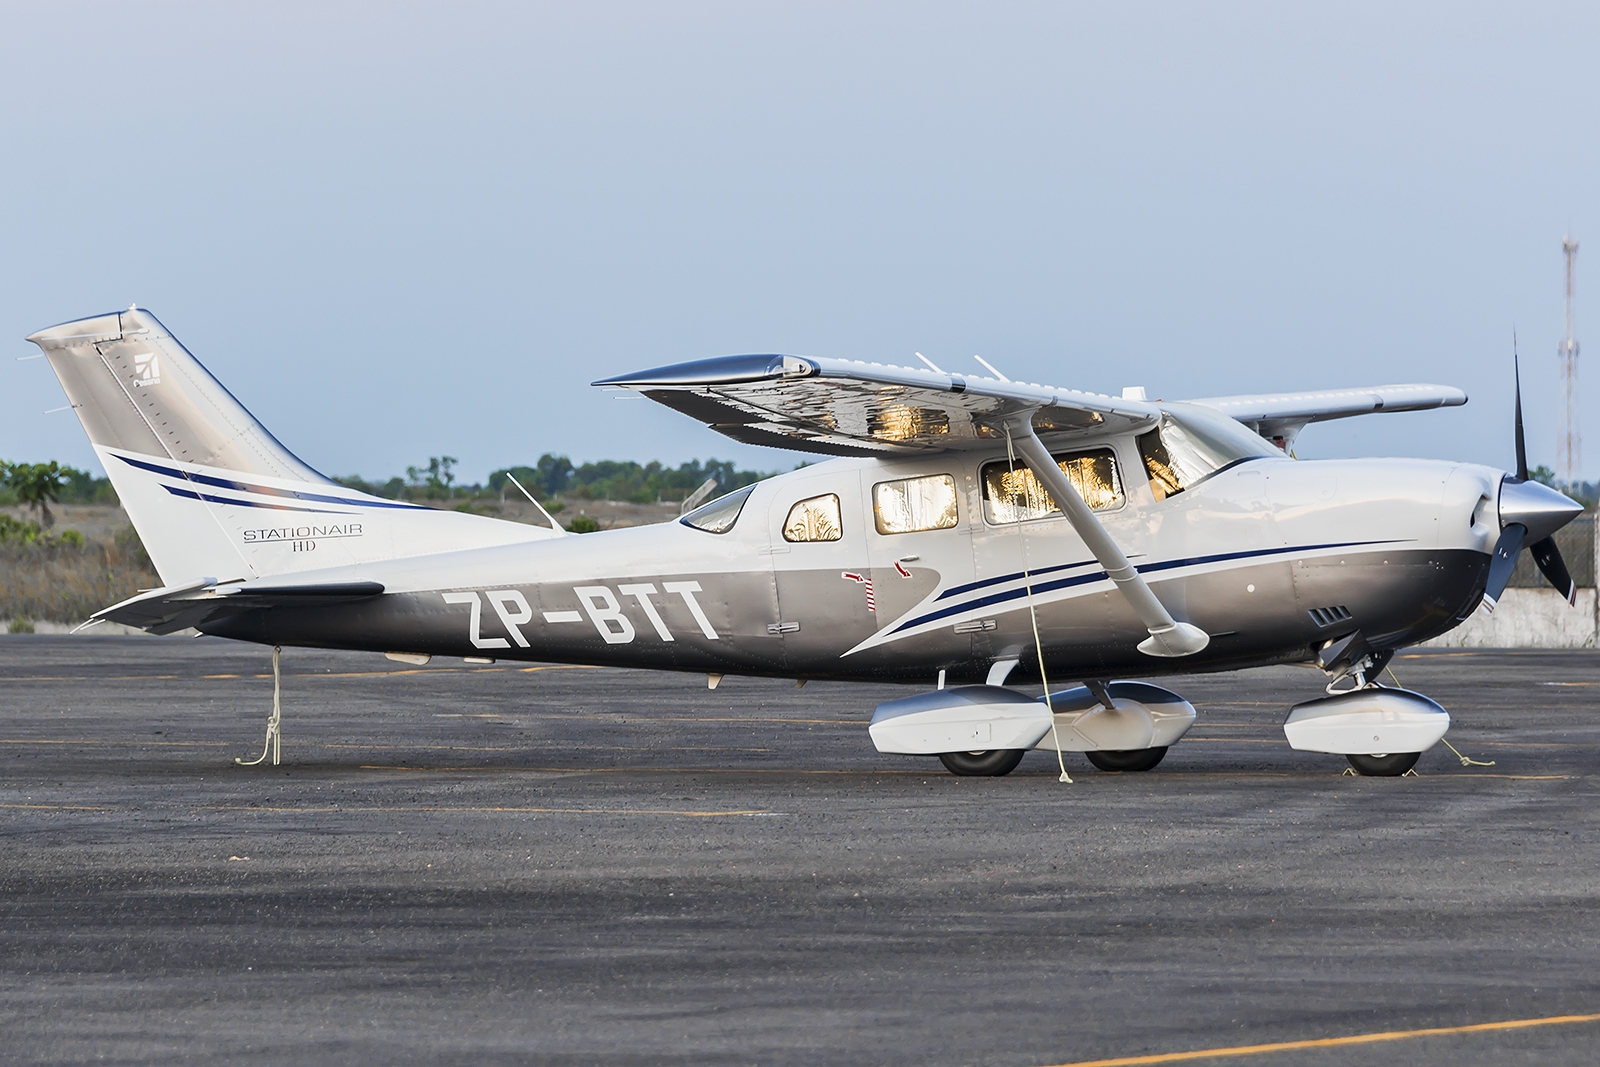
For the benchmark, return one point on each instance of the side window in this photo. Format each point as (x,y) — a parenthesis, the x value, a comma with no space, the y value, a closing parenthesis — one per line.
(814,519)
(913,504)
(719,516)
(1015,495)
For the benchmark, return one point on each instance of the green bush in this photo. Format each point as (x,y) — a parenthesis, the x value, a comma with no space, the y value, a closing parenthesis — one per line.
(21,625)
(582,524)
(15,531)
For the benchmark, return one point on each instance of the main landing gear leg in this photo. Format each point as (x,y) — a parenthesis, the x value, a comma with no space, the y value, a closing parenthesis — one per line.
(274,735)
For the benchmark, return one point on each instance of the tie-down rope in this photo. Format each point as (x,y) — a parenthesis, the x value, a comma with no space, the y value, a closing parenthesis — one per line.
(1466,761)
(1033,617)
(274,734)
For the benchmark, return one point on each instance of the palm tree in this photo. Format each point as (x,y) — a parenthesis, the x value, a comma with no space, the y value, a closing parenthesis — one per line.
(37,485)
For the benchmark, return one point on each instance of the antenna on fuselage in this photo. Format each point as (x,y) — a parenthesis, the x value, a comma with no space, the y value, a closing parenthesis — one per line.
(931,365)
(561,531)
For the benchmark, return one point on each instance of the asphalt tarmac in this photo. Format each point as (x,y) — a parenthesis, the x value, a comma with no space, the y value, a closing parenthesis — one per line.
(483,865)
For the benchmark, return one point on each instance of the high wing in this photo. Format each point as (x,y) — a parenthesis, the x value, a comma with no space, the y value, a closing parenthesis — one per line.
(174,608)
(848,408)
(1279,417)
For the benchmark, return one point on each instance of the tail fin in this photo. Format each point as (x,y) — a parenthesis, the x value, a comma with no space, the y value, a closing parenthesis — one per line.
(210,490)
(136,389)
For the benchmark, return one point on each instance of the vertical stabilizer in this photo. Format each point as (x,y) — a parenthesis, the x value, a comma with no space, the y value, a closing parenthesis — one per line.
(212,493)
(137,389)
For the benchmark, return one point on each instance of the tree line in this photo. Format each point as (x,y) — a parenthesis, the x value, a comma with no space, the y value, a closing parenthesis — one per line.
(555,475)
(38,485)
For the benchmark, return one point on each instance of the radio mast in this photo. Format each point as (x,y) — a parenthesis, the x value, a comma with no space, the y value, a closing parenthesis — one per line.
(1569,449)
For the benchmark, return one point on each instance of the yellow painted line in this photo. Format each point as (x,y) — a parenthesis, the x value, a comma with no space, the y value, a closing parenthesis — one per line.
(514,811)
(1334,1042)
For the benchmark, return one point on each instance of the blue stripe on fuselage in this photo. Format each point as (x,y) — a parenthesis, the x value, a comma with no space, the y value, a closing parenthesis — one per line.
(1083,579)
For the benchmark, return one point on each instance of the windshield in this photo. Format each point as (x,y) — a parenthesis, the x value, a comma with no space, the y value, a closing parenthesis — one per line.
(719,515)
(1193,442)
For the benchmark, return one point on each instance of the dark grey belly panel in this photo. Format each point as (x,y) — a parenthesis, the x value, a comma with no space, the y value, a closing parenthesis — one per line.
(1394,598)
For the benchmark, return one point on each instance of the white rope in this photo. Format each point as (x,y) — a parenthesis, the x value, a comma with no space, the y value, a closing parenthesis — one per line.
(1033,617)
(1466,761)
(274,734)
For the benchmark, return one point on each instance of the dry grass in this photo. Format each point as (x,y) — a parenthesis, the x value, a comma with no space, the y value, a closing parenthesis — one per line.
(58,581)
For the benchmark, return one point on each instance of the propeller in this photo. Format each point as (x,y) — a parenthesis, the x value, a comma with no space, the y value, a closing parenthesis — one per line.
(1541,506)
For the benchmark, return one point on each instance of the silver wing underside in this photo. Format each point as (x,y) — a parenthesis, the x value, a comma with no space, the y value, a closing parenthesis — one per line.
(849,408)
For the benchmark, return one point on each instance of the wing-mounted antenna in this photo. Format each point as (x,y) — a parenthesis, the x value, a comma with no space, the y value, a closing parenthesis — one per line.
(991,368)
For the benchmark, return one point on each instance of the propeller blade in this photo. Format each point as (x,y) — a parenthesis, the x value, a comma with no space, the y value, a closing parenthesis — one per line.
(1553,567)
(1504,562)
(1522,446)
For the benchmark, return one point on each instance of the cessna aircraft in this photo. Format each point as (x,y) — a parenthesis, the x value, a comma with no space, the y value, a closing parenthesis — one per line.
(972,531)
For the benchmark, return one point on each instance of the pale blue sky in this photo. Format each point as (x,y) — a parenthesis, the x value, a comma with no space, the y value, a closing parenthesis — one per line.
(399,230)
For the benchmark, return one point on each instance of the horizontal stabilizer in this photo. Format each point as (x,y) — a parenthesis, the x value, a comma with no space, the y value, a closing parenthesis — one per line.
(174,608)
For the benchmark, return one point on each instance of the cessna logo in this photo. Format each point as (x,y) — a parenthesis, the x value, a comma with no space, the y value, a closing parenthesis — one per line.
(600,604)
(146,368)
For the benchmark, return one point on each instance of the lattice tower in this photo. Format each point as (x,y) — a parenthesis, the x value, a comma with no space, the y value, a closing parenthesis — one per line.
(1569,448)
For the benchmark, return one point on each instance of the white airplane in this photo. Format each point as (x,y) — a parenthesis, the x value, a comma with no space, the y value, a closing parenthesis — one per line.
(975,531)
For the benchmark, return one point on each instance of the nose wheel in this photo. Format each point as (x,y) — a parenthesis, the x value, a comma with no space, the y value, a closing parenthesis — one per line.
(1384,765)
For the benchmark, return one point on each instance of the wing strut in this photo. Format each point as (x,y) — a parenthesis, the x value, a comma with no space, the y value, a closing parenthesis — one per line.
(1168,637)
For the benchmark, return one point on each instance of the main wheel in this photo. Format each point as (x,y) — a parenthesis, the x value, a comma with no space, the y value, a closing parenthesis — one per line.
(1132,759)
(991,764)
(1390,765)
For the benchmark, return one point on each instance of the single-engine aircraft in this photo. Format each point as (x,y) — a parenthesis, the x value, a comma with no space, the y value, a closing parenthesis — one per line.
(972,531)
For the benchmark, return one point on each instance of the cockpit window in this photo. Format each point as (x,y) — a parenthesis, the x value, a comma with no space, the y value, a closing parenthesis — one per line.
(814,519)
(1193,442)
(1012,494)
(719,516)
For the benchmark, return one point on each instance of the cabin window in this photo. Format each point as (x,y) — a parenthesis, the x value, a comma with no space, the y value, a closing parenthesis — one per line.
(1193,443)
(719,516)
(1012,494)
(913,504)
(814,519)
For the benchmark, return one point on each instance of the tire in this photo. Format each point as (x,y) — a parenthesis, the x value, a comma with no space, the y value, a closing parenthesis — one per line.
(1392,765)
(1133,759)
(991,764)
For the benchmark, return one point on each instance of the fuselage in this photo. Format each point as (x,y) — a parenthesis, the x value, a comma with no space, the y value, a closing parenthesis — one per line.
(1270,556)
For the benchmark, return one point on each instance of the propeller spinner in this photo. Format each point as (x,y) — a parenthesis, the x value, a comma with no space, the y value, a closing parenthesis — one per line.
(1530,513)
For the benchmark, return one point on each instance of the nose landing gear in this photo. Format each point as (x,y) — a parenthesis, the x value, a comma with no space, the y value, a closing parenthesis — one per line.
(1380,732)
